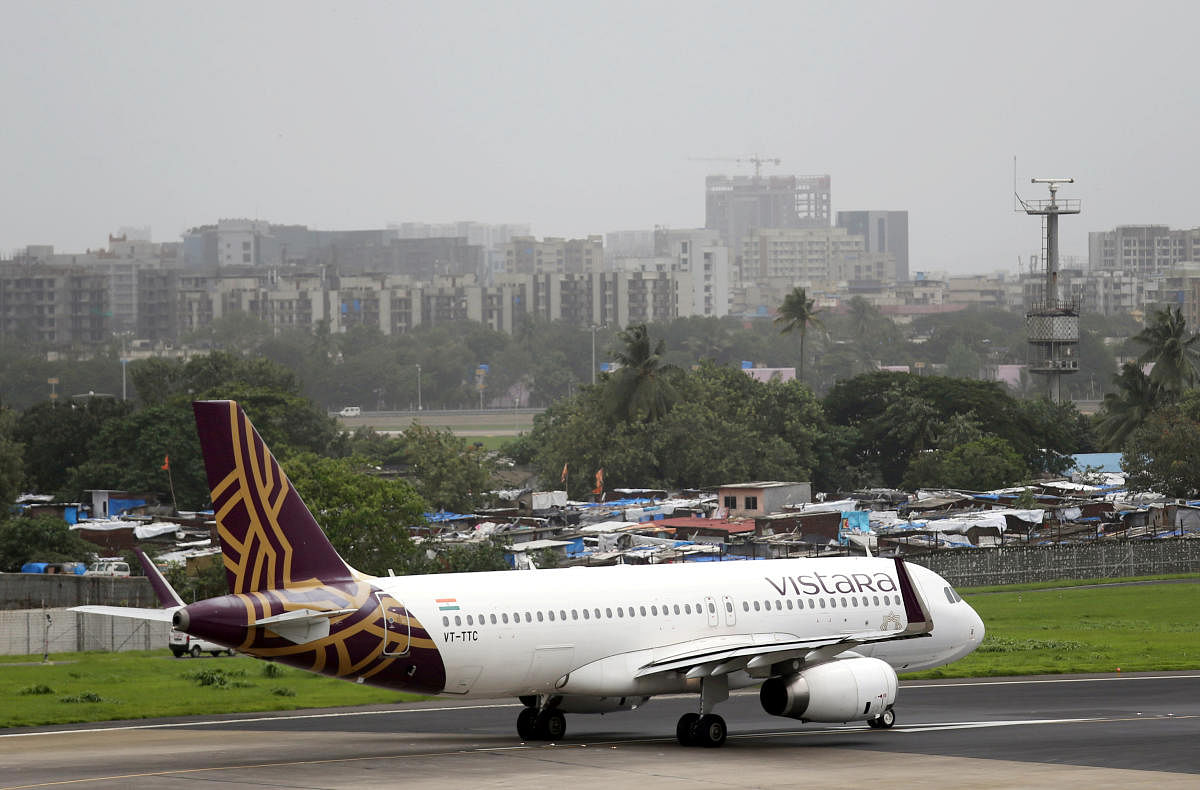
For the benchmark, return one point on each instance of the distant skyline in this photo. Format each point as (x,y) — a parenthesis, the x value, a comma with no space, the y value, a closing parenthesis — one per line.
(586,118)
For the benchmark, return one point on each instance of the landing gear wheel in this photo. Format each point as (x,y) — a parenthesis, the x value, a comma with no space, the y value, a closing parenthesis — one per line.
(196,651)
(709,731)
(550,725)
(527,724)
(883,721)
(683,730)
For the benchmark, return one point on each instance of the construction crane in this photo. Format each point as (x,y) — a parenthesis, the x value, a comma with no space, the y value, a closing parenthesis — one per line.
(755,159)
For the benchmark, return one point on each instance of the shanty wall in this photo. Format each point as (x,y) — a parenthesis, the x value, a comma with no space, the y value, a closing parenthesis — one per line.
(36,590)
(1098,559)
(35,631)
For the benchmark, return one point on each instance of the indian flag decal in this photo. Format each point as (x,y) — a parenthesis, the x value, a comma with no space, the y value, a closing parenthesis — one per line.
(447,604)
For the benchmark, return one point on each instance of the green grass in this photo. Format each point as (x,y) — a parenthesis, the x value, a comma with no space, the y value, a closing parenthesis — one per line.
(79,687)
(1033,630)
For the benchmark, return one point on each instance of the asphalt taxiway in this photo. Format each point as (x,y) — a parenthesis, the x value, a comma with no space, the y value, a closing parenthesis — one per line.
(1105,731)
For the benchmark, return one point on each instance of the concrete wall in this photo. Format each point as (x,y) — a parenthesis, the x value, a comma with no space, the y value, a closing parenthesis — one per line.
(1099,559)
(54,590)
(29,632)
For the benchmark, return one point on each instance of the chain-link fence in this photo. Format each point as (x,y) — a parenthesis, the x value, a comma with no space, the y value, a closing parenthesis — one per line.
(1094,560)
(38,631)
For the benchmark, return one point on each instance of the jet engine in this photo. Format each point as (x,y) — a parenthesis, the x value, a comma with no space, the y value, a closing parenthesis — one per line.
(848,689)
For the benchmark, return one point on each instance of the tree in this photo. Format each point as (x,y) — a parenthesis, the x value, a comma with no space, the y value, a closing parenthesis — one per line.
(448,474)
(366,518)
(641,389)
(40,539)
(797,314)
(980,465)
(1163,453)
(1174,352)
(1123,411)
(12,460)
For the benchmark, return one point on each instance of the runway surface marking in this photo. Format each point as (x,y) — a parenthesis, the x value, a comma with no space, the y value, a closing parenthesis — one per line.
(596,744)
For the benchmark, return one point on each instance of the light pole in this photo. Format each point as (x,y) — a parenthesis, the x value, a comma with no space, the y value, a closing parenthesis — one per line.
(418,387)
(124,364)
(594,328)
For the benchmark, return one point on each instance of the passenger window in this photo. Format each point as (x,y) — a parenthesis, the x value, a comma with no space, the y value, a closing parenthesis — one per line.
(445,620)
(575,614)
(539,616)
(832,603)
(585,614)
(529,618)
(504,617)
(493,619)
(778,605)
(843,600)
(641,609)
(729,606)
(562,614)
(608,612)
(654,610)
(790,603)
(676,608)
(620,611)
(745,606)
(875,599)
(550,614)
(458,619)
(712,609)
(470,620)
(596,612)
(757,606)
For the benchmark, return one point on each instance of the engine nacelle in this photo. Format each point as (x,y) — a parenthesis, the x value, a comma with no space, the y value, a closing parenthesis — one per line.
(849,689)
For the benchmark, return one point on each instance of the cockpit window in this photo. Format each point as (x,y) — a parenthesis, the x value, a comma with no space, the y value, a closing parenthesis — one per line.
(951,595)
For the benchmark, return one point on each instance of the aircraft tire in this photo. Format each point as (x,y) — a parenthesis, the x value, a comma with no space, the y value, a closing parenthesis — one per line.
(883,721)
(685,729)
(710,731)
(527,724)
(550,725)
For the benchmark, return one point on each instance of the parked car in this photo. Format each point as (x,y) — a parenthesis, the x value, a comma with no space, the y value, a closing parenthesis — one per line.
(182,644)
(108,567)
(350,411)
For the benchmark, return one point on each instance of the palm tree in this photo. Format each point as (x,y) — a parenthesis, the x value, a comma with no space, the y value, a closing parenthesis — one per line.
(798,313)
(641,388)
(1127,408)
(1174,352)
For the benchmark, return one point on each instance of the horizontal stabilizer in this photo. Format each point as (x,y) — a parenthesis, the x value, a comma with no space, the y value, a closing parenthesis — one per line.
(301,625)
(133,613)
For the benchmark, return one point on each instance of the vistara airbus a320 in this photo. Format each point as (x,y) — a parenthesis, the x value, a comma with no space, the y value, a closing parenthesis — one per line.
(823,638)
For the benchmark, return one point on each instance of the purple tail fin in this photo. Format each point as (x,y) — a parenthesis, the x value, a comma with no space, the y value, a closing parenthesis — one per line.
(269,539)
(167,597)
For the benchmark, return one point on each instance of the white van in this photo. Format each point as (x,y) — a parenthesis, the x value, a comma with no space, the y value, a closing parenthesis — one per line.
(350,411)
(182,644)
(107,566)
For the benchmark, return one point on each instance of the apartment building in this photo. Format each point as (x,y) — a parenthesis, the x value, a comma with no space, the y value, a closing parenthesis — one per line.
(1144,250)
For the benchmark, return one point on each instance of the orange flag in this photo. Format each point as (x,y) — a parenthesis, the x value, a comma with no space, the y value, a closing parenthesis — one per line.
(563,479)
(599,489)
(166,462)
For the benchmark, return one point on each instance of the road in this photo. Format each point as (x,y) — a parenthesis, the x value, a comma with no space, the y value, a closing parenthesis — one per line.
(1105,731)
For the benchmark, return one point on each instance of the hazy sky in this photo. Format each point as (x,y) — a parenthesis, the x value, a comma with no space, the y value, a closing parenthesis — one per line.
(580,118)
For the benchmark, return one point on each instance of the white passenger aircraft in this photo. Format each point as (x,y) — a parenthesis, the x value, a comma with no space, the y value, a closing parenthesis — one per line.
(823,637)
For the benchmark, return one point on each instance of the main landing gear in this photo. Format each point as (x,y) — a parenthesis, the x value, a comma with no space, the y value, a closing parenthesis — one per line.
(696,730)
(545,724)
(705,728)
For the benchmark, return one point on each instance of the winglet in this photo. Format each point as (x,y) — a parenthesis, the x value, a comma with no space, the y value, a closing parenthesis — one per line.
(166,594)
(915,611)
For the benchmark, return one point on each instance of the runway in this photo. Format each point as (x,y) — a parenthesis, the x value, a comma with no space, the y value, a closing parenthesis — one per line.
(1105,731)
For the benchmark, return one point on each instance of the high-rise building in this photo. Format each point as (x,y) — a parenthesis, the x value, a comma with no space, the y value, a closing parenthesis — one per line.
(736,205)
(883,232)
(1147,250)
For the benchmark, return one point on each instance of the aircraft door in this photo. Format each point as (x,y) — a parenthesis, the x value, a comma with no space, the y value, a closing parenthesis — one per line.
(710,606)
(396,625)
(730,611)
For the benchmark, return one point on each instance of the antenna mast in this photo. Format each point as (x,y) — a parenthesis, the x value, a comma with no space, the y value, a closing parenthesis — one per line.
(1052,323)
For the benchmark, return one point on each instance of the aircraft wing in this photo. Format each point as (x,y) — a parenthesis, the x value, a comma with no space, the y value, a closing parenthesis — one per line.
(133,613)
